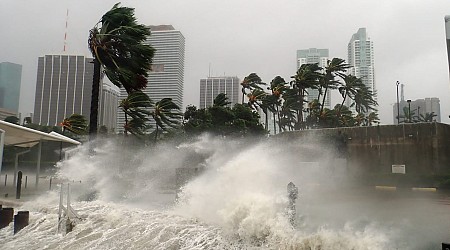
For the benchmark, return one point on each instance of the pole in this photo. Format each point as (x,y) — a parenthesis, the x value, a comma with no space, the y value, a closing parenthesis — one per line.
(38,167)
(2,142)
(409,110)
(398,104)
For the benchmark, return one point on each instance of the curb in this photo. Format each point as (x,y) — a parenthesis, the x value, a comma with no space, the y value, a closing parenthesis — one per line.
(414,189)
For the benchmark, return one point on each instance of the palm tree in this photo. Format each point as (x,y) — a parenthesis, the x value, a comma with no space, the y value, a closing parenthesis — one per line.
(364,99)
(75,123)
(427,117)
(136,106)
(335,66)
(117,44)
(221,100)
(166,114)
(349,88)
(372,118)
(277,88)
(250,82)
(307,77)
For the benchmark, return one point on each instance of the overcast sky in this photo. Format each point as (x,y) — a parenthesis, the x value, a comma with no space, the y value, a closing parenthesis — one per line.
(238,37)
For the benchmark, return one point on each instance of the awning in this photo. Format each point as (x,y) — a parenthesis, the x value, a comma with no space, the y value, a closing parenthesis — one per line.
(20,136)
(16,135)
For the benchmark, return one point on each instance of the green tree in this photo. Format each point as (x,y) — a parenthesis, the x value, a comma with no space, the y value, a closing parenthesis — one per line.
(307,77)
(221,100)
(76,124)
(166,114)
(335,67)
(136,107)
(277,88)
(117,44)
(250,82)
(349,88)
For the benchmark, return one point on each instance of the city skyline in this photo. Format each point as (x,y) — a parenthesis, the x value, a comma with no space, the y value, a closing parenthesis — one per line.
(256,42)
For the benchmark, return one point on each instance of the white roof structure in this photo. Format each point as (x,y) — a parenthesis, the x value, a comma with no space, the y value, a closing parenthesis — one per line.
(16,135)
(19,136)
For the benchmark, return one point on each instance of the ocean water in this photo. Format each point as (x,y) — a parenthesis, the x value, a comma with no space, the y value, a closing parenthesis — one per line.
(125,199)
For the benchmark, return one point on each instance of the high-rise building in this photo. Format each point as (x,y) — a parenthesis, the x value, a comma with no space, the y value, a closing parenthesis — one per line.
(447,32)
(420,109)
(309,56)
(166,77)
(10,80)
(108,108)
(64,87)
(212,86)
(361,58)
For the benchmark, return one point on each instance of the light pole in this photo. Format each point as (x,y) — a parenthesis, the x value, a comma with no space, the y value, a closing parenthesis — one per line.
(398,104)
(409,110)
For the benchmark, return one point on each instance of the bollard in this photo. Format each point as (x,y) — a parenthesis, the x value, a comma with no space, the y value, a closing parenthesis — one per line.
(445,246)
(6,178)
(19,185)
(6,216)
(26,181)
(292,191)
(21,220)
(50,188)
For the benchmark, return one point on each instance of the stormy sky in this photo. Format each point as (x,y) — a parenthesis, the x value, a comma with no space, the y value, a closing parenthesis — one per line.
(237,37)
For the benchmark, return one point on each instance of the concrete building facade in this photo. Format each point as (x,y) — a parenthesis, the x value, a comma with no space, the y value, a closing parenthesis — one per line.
(10,81)
(210,87)
(166,78)
(63,88)
(361,58)
(109,102)
(309,56)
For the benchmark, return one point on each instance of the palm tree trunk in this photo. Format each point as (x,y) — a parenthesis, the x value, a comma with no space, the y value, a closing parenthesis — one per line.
(126,125)
(274,124)
(323,100)
(93,118)
(156,132)
(340,108)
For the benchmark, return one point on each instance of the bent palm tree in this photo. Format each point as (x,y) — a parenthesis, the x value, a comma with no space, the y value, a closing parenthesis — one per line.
(135,106)
(250,82)
(166,113)
(117,44)
(335,66)
(221,100)
(75,123)
(307,77)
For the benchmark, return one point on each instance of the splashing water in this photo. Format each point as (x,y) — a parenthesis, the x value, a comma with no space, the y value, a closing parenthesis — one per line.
(126,201)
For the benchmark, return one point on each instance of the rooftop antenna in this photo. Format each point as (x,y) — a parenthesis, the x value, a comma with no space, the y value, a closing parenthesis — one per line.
(209,70)
(65,32)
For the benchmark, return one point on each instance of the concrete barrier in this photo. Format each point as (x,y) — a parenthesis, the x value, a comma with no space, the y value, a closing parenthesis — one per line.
(6,216)
(21,220)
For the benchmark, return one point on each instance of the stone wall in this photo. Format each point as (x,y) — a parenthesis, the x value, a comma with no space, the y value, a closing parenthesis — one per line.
(423,147)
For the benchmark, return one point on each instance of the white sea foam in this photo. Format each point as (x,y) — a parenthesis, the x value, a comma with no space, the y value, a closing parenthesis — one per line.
(126,201)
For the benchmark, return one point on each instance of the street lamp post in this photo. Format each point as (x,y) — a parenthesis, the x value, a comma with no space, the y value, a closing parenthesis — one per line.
(409,110)
(398,104)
